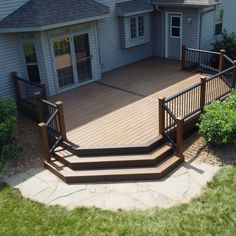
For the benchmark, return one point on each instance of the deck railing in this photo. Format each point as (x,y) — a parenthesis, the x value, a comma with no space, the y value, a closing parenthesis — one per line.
(25,99)
(52,126)
(175,111)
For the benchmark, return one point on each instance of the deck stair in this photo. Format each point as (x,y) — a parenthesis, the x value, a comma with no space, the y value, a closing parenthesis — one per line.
(113,166)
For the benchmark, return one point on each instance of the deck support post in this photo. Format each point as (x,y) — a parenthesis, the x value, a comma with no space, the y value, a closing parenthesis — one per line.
(38,98)
(46,150)
(203,92)
(221,63)
(16,85)
(161,115)
(180,137)
(234,76)
(61,117)
(183,57)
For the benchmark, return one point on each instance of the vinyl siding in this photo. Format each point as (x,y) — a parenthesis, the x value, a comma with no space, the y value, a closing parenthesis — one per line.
(207,30)
(8,6)
(229,20)
(111,53)
(9,62)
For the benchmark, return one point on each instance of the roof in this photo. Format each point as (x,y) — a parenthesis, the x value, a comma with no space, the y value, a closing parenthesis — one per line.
(44,14)
(133,7)
(197,3)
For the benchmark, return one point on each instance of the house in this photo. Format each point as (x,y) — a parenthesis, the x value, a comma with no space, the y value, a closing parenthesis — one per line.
(69,43)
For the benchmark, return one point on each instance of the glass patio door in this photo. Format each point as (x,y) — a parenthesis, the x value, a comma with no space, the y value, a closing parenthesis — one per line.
(63,61)
(82,58)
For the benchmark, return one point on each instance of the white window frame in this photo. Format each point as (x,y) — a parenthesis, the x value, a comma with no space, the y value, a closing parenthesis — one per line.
(138,40)
(137,27)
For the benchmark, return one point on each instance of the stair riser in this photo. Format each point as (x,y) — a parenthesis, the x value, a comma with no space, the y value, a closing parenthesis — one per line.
(101,178)
(115,165)
(112,151)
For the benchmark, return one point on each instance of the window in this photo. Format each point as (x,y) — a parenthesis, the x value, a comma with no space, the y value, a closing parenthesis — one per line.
(134,30)
(63,62)
(175,27)
(136,27)
(219,20)
(31,62)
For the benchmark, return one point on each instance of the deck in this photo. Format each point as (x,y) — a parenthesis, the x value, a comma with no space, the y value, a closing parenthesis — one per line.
(122,108)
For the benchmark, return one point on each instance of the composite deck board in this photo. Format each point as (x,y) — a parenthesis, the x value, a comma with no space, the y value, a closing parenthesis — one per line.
(122,108)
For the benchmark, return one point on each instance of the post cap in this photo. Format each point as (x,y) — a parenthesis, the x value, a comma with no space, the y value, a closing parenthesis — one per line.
(203,77)
(180,118)
(58,103)
(223,51)
(42,124)
(234,62)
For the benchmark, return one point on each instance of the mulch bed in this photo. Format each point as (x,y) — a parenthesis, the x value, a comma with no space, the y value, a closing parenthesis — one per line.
(30,154)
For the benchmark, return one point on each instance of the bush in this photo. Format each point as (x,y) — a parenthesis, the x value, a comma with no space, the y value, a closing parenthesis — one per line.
(218,121)
(228,42)
(7,130)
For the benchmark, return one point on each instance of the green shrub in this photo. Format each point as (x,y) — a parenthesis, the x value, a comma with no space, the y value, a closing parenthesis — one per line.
(228,42)
(7,130)
(218,121)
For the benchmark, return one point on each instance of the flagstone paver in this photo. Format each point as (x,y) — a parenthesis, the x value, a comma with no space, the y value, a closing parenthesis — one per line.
(183,184)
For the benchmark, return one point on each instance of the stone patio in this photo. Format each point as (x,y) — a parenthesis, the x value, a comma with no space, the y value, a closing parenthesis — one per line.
(182,185)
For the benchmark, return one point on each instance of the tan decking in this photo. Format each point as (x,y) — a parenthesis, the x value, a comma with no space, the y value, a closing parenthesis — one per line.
(122,108)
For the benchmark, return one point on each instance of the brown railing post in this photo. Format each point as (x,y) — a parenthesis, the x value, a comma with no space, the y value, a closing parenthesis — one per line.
(16,85)
(44,137)
(161,115)
(38,98)
(183,57)
(234,76)
(180,137)
(61,119)
(203,92)
(221,63)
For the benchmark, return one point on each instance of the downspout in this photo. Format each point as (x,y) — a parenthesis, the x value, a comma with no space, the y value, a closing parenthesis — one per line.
(156,7)
(200,27)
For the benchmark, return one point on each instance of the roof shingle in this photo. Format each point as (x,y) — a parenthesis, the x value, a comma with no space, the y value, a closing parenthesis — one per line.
(38,13)
(128,7)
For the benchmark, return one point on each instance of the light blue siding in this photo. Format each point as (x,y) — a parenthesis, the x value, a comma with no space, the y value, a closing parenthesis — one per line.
(9,62)
(229,19)
(207,30)
(111,53)
(8,6)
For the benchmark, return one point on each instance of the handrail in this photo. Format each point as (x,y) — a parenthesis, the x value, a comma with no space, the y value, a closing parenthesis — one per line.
(182,92)
(53,129)
(203,51)
(31,83)
(49,103)
(229,59)
(177,108)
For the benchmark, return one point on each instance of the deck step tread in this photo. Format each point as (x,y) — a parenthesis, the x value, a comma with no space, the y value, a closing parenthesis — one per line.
(67,172)
(71,158)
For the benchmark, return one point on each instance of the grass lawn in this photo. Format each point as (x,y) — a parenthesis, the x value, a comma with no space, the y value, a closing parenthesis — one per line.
(213,213)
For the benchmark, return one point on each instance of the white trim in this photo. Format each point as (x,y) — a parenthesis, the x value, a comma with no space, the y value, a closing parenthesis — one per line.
(134,13)
(52,26)
(167,31)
